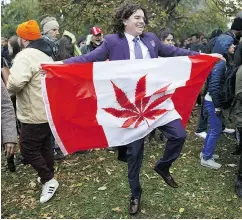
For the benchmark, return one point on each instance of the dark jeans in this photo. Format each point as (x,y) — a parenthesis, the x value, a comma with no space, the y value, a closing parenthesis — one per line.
(35,147)
(176,136)
(240,146)
(203,121)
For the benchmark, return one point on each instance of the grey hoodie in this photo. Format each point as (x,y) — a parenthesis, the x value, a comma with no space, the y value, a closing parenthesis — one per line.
(8,125)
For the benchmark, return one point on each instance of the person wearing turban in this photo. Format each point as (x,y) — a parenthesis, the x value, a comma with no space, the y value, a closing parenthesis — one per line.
(25,82)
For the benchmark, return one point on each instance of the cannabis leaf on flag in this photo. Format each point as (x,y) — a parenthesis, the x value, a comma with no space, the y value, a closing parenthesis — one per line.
(140,110)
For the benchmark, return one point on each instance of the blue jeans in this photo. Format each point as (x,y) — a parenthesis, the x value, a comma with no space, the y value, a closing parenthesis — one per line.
(203,120)
(214,131)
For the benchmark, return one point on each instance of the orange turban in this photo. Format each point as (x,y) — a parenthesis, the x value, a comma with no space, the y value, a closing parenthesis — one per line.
(29,30)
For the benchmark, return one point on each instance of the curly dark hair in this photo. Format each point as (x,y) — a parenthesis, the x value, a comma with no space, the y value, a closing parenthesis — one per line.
(123,13)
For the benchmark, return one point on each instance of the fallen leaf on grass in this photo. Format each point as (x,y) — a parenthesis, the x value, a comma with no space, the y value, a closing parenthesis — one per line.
(102,188)
(84,168)
(117,209)
(211,208)
(101,159)
(96,180)
(32,184)
(143,211)
(108,172)
(231,165)
(13,216)
(181,210)
(76,185)
(86,178)
(185,170)
(44,215)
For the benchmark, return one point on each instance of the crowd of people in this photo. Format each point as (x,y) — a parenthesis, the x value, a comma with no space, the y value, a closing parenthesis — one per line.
(23,110)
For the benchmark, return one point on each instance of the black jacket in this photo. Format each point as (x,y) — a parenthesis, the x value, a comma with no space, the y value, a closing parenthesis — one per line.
(41,45)
(238,55)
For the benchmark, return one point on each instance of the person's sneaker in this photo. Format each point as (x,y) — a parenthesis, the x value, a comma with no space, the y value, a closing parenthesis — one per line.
(48,190)
(210,163)
(201,134)
(229,131)
(215,156)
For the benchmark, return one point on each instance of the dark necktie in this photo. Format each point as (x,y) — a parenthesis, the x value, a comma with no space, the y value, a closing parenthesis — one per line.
(137,49)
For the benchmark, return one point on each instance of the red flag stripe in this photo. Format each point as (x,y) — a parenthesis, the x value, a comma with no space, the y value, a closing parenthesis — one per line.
(80,107)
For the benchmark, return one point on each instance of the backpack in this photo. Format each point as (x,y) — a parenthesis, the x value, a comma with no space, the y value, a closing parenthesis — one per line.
(228,88)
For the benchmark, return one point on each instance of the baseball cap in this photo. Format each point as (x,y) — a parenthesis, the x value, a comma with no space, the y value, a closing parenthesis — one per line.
(95,31)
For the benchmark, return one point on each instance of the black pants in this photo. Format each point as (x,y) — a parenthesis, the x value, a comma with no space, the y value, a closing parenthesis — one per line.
(240,146)
(176,136)
(35,147)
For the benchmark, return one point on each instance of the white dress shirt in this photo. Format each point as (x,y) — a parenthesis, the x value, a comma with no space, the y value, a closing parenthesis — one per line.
(145,51)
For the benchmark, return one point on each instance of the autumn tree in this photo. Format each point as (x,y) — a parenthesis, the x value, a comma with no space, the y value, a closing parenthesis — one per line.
(16,12)
(78,16)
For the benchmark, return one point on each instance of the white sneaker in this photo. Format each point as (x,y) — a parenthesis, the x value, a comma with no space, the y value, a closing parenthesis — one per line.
(215,156)
(38,180)
(229,131)
(201,134)
(48,190)
(210,163)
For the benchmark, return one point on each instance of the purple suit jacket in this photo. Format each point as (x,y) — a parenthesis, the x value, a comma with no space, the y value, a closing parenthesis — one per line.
(117,48)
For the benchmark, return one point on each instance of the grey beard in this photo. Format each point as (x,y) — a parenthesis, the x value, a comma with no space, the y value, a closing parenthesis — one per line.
(97,42)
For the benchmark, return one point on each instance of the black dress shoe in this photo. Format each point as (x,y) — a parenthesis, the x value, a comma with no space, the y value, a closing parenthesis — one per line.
(134,206)
(167,177)
(237,151)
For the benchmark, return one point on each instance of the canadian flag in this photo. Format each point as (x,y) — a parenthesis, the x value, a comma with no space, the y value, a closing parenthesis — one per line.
(103,104)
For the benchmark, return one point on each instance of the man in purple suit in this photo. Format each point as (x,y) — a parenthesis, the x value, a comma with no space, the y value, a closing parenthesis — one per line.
(129,42)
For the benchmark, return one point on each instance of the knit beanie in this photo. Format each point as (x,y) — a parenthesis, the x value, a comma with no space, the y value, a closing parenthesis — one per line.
(237,24)
(29,30)
(49,23)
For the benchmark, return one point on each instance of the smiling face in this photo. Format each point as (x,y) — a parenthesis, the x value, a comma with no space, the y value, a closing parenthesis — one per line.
(135,24)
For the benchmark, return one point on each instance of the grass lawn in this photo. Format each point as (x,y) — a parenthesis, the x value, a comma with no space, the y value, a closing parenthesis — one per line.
(203,193)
